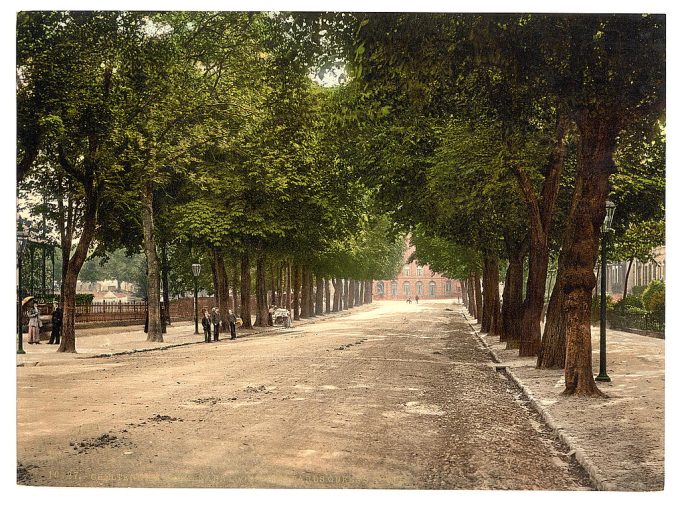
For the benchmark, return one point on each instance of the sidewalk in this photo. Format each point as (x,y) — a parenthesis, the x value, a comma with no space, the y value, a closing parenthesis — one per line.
(619,439)
(109,341)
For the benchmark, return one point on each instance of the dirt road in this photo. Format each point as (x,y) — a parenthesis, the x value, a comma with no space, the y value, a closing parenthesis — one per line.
(395,396)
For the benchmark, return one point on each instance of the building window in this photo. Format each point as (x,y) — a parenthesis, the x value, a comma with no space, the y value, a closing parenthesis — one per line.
(433,288)
(419,271)
(407,289)
(419,288)
(393,288)
(447,287)
(381,288)
(407,270)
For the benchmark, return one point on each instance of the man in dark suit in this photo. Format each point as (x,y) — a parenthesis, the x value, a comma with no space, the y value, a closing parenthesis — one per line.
(57,319)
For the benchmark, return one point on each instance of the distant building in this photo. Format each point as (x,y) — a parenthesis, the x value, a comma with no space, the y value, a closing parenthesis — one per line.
(415,279)
(641,274)
(103,285)
(109,297)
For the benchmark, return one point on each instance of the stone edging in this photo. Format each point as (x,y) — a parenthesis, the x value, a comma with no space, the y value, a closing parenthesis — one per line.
(578,453)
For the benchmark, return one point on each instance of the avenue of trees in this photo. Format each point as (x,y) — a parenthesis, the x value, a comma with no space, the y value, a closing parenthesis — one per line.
(494,140)
(194,137)
(498,139)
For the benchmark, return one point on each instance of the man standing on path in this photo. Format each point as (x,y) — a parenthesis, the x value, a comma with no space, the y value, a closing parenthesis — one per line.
(206,325)
(232,324)
(216,320)
(57,318)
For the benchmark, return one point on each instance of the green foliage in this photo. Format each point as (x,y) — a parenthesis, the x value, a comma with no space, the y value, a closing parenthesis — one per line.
(654,296)
(247,153)
(638,290)
(81,298)
(595,307)
(630,302)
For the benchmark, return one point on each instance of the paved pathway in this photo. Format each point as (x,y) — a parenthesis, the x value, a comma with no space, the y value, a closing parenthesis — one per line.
(621,435)
(391,396)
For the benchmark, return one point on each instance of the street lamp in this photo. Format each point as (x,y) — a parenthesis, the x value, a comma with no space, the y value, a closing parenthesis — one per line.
(22,240)
(196,270)
(606,228)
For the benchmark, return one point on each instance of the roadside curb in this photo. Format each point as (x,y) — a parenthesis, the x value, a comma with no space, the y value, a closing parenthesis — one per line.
(579,454)
(306,321)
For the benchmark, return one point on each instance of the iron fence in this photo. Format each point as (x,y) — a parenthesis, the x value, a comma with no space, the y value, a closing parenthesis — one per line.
(646,322)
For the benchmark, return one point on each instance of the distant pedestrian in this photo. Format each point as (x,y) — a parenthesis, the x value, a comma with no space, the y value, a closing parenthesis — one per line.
(206,325)
(417,298)
(215,317)
(232,324)
(57,319)
(34,324)
(408,300)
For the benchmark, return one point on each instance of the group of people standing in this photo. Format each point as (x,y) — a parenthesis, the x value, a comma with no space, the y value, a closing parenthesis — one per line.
(35,323)
(211,324)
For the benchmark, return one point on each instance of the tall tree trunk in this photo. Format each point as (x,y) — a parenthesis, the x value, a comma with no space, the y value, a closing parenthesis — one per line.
(594,164)
(155,333)
(235,287)
(361,292)
(463,288)
(350,294)
(318,309)
(511,314)
(345,294)
(304,305)
(327,294)
(165,269)
(262,310)
(470,295)
(487,297)
(492,298)
(336,294)
(625,282)
(310,298)
(245,291)
(367,291)
(216,289)
(281,271)
(296,292)
(540,212)
(530,337)
(478,296)
(289,305)
(344,298)
(273,284)
(222,288)
(553,351)
(75,263)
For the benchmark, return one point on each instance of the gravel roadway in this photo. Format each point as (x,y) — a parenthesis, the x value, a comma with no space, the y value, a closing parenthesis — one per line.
(393,396)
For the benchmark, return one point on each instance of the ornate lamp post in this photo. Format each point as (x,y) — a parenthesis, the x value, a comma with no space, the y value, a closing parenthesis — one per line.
(196,270)
(606,228)
(22,240)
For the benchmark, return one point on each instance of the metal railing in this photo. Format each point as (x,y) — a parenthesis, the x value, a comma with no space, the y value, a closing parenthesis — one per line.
(646,322)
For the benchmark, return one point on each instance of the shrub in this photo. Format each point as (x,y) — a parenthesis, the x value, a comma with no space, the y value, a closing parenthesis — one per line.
(635,310)
(595,306)
(631,301)
(654,296)
(637,290)
(81,298)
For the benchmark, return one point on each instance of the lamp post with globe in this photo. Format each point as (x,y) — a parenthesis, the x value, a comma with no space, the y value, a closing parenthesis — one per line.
(606,229)
(22,240)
